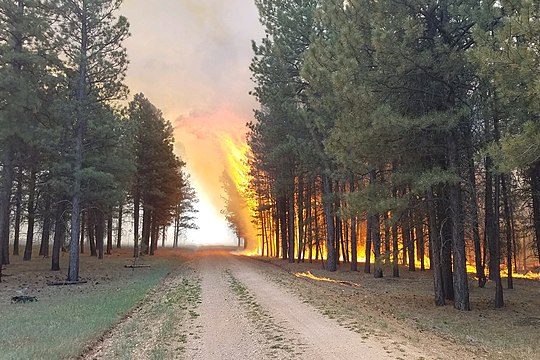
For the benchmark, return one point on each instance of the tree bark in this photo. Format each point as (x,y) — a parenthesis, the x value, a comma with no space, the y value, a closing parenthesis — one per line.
(100,233)
(369,235)
(461,287)
(5,202)
(331,264)
(291,228)
(91,226)
(31,211)
(109,233)
(436,252)
(73,273)
(535,192)
(46,233)
(507,230)
(59,233)
(18,211)
(83,227)
(119,229)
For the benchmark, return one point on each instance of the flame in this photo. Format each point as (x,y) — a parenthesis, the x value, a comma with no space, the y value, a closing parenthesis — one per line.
(237,168)
(311,276)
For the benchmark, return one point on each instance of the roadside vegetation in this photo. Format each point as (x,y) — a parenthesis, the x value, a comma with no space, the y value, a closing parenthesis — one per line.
(64,320)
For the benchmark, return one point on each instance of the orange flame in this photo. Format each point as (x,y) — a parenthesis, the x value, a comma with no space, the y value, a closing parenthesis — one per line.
(311,276)
(237,168)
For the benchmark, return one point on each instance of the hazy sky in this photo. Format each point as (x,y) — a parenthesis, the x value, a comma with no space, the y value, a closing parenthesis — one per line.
(191,59)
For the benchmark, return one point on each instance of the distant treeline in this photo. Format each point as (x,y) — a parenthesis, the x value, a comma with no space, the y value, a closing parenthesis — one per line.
(73,157)
(406,128)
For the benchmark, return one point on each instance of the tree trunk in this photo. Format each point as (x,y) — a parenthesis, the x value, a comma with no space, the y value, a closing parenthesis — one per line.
(283,227)
(291,228)
(31,210)
(444,219)
(421,242)
(83,227)
(109,233)
(153,236)
(436,245)
(354,234)
(163,236)
(330,231)
(395,247)
(92,231)
(300,216)
(119,229)
(408,236)
(461,287)
(5,202)
(507,230)
(535,192)
(369,235)
(18,211)
(479,265)
(46,233)
(59,233)
(376,231)
(146,230)
(100,233)
(136,215)
(73,273)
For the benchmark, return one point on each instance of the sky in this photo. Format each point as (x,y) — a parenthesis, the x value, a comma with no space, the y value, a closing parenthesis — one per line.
(191,59)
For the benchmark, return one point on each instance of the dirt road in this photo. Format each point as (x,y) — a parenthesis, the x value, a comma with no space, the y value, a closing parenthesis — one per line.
(222,306)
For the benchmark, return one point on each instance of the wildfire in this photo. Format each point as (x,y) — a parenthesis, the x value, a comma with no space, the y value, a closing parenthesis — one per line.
(237,168)
(311,276)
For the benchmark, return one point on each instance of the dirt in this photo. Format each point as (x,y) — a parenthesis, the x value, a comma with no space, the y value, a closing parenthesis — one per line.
(216,305)
(245,312)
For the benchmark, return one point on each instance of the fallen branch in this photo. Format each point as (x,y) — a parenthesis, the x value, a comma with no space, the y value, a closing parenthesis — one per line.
(136,266)
(64,283)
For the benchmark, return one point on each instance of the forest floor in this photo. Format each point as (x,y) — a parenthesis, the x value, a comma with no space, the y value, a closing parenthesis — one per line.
(405,307)
(67,318)
(210,304)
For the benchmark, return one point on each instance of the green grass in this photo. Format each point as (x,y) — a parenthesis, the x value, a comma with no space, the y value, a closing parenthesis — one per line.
(59,327)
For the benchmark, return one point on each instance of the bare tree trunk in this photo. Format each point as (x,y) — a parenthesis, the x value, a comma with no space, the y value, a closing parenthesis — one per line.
(91,220)
(395,248)
(369,235)
(535,192)
(109,233)
(83,227)
(436,252)
(136,215)
(59,233)
(100,233)
(408,237)
(421,242)
(461,287)
(291,227)
(18,211)
(354,234)
(119,229)
(45,234)
(330,231)
(507,230)
(73,273)
(31,211)
(5,203)
(479,265)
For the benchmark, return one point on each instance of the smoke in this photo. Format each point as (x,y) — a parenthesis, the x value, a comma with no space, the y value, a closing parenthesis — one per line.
(191,59)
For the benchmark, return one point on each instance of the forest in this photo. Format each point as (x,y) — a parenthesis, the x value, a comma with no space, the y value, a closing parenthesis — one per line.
(78,159)
(401,132)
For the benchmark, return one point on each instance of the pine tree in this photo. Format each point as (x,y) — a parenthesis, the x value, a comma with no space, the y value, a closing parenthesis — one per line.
(92,38)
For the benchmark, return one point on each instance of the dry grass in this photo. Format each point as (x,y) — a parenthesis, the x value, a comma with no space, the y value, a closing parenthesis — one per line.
(66,318)
(405,306)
